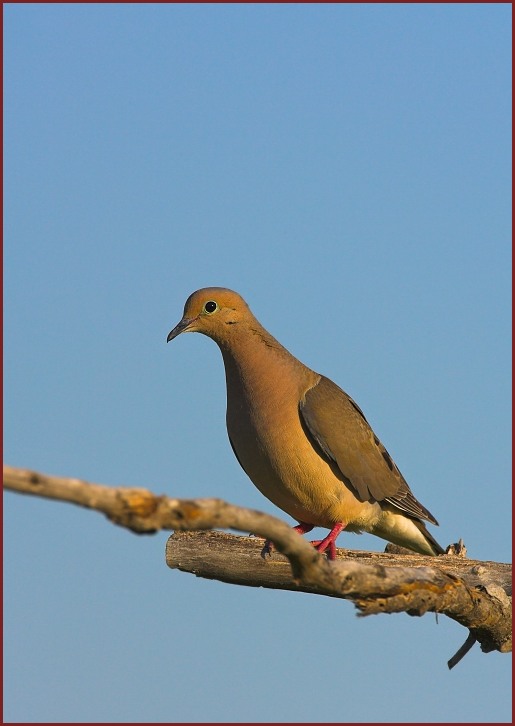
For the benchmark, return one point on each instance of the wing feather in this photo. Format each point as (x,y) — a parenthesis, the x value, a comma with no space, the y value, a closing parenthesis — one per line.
(338,427)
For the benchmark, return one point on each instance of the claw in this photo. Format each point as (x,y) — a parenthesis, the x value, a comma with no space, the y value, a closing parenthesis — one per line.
(267,549)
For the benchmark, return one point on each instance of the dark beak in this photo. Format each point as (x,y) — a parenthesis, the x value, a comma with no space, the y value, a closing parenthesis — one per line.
(179,328)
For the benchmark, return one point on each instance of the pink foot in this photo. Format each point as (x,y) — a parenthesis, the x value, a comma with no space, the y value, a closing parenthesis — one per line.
(301,528)
(329,542)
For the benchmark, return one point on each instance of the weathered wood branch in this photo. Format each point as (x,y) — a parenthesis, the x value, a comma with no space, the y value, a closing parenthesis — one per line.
(474,593)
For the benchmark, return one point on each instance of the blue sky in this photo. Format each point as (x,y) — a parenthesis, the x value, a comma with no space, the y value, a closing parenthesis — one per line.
(346,168)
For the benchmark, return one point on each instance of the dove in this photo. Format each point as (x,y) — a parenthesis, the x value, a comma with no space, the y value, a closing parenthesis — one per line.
(302,441)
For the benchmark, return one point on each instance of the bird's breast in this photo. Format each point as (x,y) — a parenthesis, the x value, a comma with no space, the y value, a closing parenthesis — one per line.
(273,449)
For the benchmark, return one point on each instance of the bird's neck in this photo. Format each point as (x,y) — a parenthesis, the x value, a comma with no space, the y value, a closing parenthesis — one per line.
(255,361)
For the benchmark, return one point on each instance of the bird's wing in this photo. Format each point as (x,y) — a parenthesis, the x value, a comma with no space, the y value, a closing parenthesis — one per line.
(337,426)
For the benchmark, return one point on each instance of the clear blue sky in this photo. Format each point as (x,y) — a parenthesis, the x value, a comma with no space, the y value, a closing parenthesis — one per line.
(346,168)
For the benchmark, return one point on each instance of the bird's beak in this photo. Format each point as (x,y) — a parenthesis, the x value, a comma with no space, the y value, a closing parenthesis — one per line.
(180,328)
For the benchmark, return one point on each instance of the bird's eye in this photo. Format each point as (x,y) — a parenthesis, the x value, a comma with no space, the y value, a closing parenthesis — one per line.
(210,307)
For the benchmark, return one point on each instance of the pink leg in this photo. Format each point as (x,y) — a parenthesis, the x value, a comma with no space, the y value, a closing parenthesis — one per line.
(330,541)
(301,528)
(321,545)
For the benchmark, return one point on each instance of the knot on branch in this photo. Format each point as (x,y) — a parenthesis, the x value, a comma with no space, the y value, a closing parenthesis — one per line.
(135,509)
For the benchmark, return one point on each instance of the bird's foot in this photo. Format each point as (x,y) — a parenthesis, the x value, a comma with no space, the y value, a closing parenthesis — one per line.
(301,528)
(329,542)
(267,549)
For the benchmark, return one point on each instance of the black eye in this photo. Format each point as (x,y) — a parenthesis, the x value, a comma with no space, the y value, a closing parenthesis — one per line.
(210,306)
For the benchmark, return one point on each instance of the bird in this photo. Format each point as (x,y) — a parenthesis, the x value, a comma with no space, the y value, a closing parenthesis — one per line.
(302,441)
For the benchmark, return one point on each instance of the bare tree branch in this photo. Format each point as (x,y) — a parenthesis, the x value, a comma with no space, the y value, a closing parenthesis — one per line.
(472,592)
(475,594)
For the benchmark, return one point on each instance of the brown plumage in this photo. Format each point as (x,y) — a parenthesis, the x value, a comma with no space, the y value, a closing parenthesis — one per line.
(300,438)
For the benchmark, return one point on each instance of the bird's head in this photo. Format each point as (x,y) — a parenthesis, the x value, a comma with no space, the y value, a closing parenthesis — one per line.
(211,311)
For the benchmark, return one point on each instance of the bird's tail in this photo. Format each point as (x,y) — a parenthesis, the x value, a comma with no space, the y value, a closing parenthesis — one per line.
(433,544)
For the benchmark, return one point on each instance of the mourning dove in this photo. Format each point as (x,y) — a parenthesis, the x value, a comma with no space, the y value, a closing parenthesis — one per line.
(300,438)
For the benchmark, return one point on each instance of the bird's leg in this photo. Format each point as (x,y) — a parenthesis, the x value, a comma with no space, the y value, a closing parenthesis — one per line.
(301,528)
(330,541)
